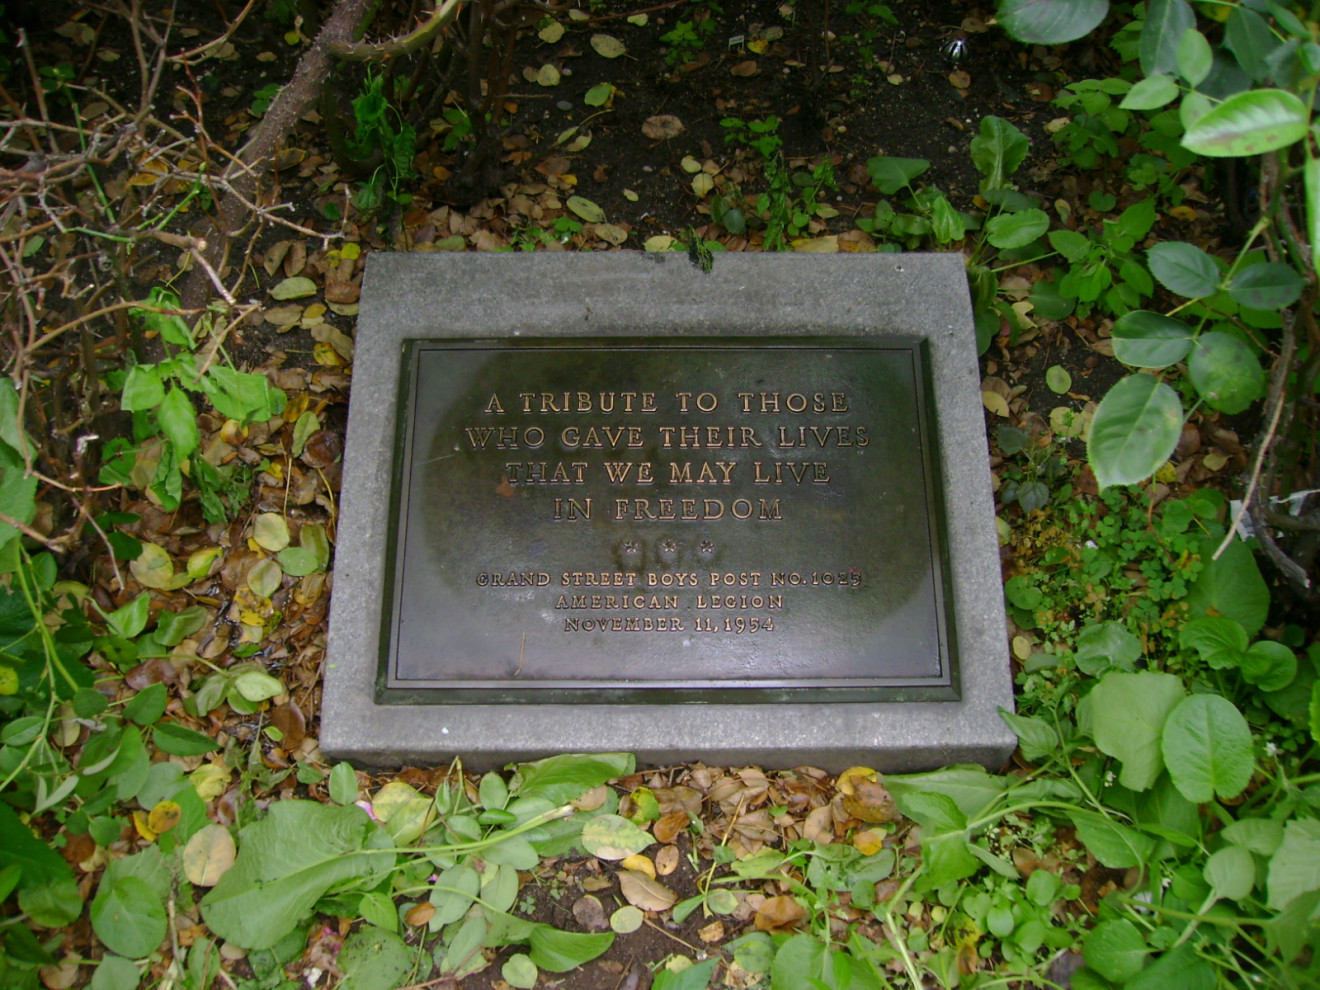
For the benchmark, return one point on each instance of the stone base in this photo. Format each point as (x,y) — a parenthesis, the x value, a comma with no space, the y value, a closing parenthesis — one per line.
(620,293)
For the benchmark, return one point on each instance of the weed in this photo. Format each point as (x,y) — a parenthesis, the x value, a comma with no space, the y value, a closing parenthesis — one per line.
(689,35)
(382,135)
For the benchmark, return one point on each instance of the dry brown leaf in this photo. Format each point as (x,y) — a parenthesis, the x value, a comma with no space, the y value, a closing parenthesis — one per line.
(662,127)
(666,860)
(779,913)
(746,69)
(590,914)
(714,932)
(641,891)
(420,914)
(819,826)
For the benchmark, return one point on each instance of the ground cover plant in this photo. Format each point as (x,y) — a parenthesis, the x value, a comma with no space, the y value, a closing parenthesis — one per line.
(188,201)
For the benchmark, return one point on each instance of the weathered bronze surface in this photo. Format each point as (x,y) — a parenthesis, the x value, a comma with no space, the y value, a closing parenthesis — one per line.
(625,520)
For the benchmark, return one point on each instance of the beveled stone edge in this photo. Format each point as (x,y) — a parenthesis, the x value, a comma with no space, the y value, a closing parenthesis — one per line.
(609,293)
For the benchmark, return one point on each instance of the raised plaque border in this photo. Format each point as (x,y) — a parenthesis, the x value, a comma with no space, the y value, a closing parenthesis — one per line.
(625,293)
(940,687)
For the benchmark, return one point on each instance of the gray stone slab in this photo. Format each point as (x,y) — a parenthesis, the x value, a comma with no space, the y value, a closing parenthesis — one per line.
(566,296)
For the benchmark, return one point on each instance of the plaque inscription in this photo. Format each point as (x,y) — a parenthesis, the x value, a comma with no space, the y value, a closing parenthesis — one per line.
(629,520)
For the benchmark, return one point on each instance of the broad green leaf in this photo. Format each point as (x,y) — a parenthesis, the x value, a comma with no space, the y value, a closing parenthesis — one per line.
(452,894)
(1211,634)
(519,971)
(1166,22)
(613,837)
(1102,646)
(52,904)
(172,628)
(1135,429)
(177,740)
(257,685)
(586,209)
(1250,40)
(1015,230)
(1037,738)
(1151,340)
(129,620)
(1231,586)
(115,973)
(799,963)
(1115,949)
(343,784)
(1268,665)
(1230,872)
(148,705)
(1267,285)
(1226,372)
(561,779)
(597,96)
(1207,747)
(971,788)
(178,421)
(1150,93)
(945,852)
(1184,268)
(1249,123)
(1260,835)
(1295,867)
(142,388)
(1114,844)
(559,951)
(374,959)
(242,396)
(1051,22)
(891,173)
(997,152)
(1128,713)
(18,492)
(1072,245)
(1195,57)
(286,862)
(129,917)
(1180,968)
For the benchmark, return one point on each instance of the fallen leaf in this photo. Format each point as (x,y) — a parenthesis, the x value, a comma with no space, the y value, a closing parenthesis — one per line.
(610,233)
(627,919)
(666,860)
(590,913)
(641,891)
(283,316)
(420,914)
(745,69)
(297,287)
(817,245)
(613,837)
(638,862)
(714,932)
(551,33)
(779,913)
(208,855)
(662,127)
(819,826)
(342,292)
(547,75)
(607,46)
(996,403)
(586,209)
(164,816)
(960,79)
(668,827)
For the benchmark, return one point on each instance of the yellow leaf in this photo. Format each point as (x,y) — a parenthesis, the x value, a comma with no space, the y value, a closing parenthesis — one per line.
(143,829)
(867,842)
(995,402)
(702,184)
(817,245)
(324,354)
(547,75)
(639,862)
(350,250)
(607,46)
(209,781)
(551,33)
(164,816)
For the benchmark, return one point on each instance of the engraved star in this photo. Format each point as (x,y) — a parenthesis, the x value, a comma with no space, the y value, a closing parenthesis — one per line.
(630,546)
(668,546)
(707,546)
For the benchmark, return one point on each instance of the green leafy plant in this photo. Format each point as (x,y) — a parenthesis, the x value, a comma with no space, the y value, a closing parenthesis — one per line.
(1034,467)
(689,35)
(166,439)
(384,136)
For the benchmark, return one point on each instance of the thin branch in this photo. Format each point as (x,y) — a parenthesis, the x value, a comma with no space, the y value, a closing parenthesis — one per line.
(361,51)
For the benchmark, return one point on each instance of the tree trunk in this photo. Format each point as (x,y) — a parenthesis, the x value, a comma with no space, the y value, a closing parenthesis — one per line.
(256,157)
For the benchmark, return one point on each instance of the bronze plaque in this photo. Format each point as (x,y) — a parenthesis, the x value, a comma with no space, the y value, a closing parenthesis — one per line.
(631,520)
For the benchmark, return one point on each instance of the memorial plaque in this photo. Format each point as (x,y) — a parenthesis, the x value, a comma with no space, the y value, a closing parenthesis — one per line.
(609,501)
(684,521)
